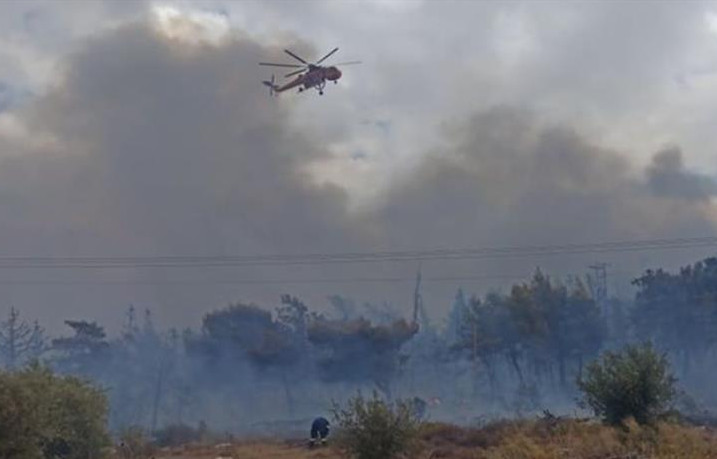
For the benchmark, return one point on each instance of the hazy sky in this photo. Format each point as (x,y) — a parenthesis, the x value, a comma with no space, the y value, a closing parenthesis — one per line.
(142,129)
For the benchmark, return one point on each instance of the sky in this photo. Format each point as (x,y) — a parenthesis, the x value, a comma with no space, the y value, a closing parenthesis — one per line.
(142,129)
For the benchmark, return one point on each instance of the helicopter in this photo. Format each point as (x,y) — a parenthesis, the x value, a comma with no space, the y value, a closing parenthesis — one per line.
(309,75)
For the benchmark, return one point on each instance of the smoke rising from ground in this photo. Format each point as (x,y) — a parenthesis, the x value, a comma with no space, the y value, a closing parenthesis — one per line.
(150,145)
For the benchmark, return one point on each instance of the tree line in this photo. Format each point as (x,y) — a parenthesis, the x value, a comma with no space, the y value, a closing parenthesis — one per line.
(517,351)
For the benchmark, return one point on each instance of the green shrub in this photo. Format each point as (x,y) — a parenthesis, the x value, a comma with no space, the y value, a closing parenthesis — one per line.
(47,416)
(370,428)
(634,382)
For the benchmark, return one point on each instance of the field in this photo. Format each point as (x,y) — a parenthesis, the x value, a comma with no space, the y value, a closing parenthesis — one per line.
(534,439)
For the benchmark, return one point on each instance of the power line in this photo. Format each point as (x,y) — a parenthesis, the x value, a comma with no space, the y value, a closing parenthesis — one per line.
(194,282)
(353,257)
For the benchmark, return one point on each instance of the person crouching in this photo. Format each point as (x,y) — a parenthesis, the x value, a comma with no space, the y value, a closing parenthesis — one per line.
(319,431)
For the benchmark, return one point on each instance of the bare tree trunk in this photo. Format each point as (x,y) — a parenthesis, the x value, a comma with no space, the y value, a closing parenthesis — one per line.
(289,397)
(475,359)
(157,396)
(492,380)
(12,340)
(516,365)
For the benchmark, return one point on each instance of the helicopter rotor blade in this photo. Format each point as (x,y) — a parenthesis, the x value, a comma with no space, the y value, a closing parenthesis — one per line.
(295,57)
(348,63)
(327,56)
(293,66)
(296,72)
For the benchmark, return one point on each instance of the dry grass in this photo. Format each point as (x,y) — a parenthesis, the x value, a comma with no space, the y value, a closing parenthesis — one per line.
(572,439)
(569,439)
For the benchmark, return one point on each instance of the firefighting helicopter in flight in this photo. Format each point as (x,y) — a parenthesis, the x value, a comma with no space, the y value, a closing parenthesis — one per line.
(309,75)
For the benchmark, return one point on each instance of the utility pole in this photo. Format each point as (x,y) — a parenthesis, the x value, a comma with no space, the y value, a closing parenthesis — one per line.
(418,311)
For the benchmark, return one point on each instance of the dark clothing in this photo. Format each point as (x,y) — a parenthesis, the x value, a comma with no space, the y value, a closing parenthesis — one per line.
(319,428)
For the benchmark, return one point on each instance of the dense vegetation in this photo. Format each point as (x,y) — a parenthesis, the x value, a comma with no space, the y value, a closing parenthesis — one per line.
(510,353)
(47,416)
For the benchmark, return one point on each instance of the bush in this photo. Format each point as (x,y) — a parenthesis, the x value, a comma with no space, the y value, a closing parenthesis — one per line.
(635,382)
(47,416)
(374,429)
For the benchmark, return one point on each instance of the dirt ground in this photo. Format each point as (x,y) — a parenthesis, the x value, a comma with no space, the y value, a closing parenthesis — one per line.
(252,450)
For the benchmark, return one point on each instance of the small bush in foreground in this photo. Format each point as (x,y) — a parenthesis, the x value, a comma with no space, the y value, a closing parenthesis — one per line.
(373,429)
(47,416)
(635,382)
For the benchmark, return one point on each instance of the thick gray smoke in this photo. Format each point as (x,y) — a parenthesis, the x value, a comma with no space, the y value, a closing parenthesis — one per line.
(150,146)
(667,177)
(154,147)
(500,179)
(173,147)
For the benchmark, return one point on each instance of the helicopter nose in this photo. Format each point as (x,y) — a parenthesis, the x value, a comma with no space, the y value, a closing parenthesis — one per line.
(334,74)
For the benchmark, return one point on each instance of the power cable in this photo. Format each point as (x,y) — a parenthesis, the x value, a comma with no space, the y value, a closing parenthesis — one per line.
(257,281)
(355,257)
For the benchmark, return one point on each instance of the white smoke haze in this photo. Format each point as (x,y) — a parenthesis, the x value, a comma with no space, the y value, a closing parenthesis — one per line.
(156,138)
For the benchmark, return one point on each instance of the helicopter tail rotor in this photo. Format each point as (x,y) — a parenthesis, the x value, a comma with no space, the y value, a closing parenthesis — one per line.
(271,85)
